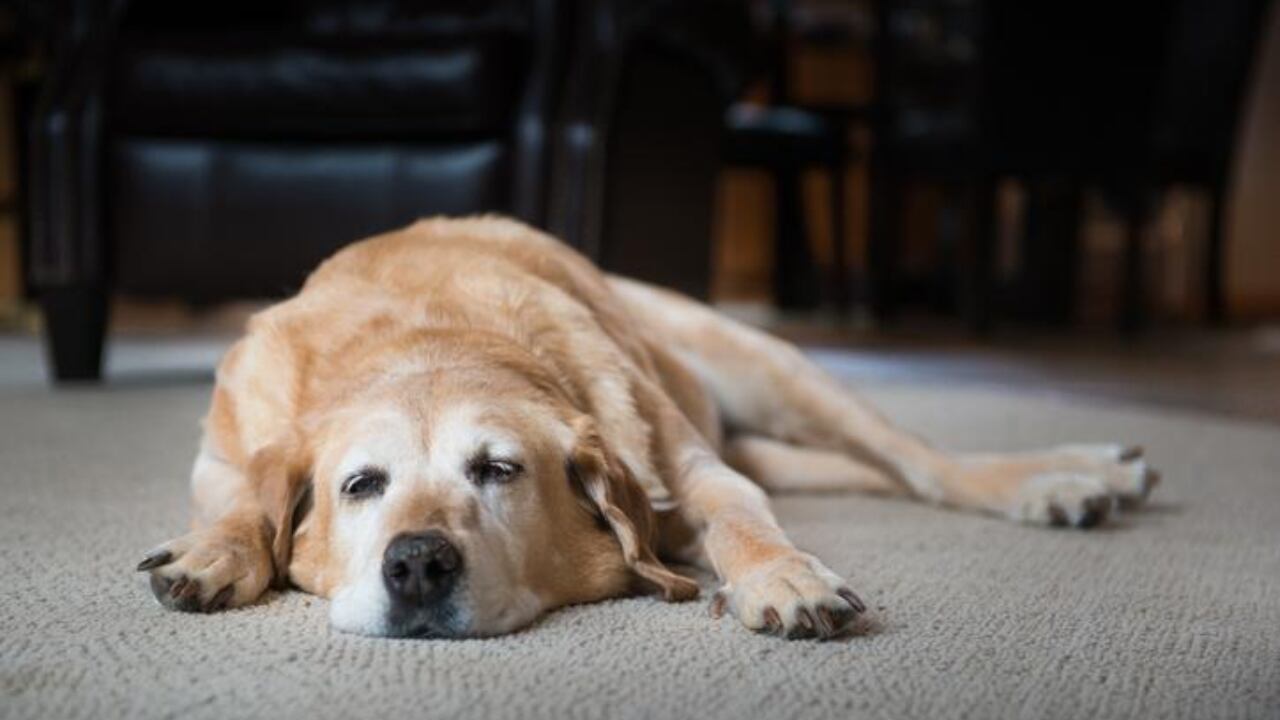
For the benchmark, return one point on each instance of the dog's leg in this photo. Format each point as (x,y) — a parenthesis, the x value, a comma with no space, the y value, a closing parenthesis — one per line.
(244,498)
(767,387)
(769,584)
(781,467)
(226,560)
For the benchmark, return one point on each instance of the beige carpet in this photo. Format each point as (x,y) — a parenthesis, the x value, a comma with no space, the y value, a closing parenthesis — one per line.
(1174,612)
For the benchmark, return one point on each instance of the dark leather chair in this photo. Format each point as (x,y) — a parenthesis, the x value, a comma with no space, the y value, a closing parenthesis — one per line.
(217,150)
(222,150)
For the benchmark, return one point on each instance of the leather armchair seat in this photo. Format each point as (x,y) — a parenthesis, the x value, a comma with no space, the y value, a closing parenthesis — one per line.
(239,158)
(223,219)
(222,150)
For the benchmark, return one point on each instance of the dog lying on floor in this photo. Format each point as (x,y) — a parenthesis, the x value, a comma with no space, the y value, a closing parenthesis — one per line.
(459,426)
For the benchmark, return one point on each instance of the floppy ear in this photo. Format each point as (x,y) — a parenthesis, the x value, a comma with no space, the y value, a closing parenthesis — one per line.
(280,476)
(613,495)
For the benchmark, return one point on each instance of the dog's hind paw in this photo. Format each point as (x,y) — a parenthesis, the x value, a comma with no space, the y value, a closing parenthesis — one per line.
(1077,486)
(1127,474)
(1070,499)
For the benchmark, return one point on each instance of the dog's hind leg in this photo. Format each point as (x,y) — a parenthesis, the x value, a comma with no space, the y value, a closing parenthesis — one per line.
(764,386)
(781,467)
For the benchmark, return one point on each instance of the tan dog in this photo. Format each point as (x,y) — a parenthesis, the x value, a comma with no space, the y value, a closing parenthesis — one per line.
(461,425)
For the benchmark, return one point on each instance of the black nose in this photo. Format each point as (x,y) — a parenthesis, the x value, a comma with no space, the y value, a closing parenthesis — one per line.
(419,567)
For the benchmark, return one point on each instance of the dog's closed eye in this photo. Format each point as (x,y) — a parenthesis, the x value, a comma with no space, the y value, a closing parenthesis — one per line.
(365,482)
(488,471)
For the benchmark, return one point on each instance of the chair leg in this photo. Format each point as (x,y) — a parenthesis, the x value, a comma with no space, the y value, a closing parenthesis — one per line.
(1215,304)
(795,280)
(1132,292)
(75,321)
(839,262)
(976,298)
(1050,251)
(883,244)
(1068,209)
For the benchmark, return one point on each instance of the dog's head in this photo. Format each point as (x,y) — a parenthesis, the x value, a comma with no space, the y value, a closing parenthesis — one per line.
(456,504)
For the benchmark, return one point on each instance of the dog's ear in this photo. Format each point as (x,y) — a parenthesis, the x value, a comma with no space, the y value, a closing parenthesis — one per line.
(280,474)
(609,491)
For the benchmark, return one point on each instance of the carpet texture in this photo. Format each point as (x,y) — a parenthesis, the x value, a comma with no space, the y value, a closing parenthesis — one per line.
(1173,612)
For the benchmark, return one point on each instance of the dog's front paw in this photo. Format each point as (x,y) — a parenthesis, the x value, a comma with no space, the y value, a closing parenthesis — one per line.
(207,571)
(794,596)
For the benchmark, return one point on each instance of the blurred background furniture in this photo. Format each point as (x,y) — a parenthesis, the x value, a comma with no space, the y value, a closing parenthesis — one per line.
(784,139)
(19,72)
(215,153)
(1064,97)
(980,90)
(1209,58)
(222,151)
(639,139)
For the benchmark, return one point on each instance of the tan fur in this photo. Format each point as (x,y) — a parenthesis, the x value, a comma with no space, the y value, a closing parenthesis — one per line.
(618,395)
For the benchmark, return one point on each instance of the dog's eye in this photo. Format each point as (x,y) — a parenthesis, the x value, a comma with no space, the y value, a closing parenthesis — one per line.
(486,471)
(365,482)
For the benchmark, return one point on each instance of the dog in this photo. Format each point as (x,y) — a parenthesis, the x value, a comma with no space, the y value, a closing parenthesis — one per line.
(457,427)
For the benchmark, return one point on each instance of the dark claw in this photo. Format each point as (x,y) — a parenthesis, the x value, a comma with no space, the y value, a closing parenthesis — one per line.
(187,598)
(827,625)
(854,601)
(806,621)
(155,560)
(1057,516)
(718,602)
(160,587)
(1133,452)
(175,590)
(189,591)
(167,592)
(1149,481)
(772,622)
(181,594)
(220,600)
(1095,511)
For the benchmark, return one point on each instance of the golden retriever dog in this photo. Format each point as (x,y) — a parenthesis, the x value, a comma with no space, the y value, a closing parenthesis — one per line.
(457,427)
